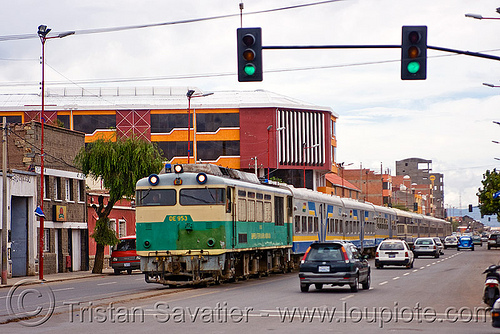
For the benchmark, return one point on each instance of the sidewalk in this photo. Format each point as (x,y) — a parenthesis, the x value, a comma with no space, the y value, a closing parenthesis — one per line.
(56,277)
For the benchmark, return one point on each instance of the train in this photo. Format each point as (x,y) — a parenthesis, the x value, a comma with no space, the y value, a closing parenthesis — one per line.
(201,224)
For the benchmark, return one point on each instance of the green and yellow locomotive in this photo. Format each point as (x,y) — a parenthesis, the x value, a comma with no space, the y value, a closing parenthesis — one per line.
(203,223)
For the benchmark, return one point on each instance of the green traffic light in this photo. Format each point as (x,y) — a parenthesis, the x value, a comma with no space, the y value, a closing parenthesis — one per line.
(413,67)
(249,69)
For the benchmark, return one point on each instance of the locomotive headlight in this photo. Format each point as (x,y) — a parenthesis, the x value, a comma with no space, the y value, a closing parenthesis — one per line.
(201,178)
(178,169)
(153,179)
(147,244)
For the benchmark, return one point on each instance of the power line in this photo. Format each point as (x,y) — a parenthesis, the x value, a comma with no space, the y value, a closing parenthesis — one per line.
(150,25)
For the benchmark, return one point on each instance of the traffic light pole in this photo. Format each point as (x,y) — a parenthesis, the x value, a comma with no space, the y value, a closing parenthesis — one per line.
(438,48)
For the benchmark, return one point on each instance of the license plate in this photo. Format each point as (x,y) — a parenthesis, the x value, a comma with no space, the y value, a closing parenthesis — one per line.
(324,269)
(391,256)
(126,264)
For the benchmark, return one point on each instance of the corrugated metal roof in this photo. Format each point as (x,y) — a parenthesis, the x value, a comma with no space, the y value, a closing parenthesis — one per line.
(106,98)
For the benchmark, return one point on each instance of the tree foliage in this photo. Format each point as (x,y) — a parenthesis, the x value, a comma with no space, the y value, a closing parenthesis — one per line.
(119,164)
(491,185)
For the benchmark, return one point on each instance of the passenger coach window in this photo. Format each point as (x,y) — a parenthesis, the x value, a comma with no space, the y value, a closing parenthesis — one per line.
(151,197)
(202,196)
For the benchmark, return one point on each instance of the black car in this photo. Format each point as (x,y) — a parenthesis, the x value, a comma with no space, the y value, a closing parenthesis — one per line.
(334,263)
(494,241)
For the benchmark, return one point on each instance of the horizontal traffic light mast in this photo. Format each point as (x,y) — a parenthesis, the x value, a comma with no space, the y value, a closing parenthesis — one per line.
(246,66)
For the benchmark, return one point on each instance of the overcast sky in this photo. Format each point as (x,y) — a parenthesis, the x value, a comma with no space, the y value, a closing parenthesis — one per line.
(447,118)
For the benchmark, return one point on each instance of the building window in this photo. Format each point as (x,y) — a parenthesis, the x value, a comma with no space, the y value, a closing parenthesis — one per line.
(69,191)
(46,240)
(81,190)
(46,184)
(90,123)
(122,228)
(57,189)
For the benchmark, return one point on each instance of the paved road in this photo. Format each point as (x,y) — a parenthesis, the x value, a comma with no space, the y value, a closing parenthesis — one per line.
(438,295)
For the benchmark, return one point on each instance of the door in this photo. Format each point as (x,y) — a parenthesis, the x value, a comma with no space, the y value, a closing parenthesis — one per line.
(76,254)
(19,235)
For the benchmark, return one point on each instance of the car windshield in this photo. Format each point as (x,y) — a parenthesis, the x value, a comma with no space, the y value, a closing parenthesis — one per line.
(325,253)
(392,246)
(125,245)
(424,242)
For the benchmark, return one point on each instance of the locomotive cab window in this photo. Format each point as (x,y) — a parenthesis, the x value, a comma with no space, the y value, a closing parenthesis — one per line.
(202,196)
(149,197)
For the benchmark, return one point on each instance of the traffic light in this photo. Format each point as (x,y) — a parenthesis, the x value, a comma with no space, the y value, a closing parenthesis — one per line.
(414,53)
(249,54)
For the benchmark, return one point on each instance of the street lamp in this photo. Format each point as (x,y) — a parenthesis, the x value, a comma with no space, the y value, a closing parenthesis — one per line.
(269,128)
(480,17)
(190,95)
(304,148)
(43,31)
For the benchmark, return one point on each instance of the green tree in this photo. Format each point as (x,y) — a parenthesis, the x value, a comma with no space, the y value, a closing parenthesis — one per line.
(488,205)
(119,165)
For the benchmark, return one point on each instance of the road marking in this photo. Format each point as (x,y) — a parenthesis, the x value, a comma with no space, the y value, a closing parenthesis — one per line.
(428,265)
(64,289)
(433,263)
(347,297)
(383,283)
(106,283)
(395,278)
(415,270)
(406,274)
(422,267)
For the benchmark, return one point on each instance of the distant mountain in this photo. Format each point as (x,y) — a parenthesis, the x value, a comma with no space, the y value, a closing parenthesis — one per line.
(476,215)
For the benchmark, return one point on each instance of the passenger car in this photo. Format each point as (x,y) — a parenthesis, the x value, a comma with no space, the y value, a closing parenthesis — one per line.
(476,240)
(335,263)
(465,242)
(393,252)
(439,245)
(494,241)
(425,246)
(124,256)
(450,241)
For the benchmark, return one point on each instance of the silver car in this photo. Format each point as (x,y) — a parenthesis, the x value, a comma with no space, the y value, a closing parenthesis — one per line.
(450,241)
(425,246)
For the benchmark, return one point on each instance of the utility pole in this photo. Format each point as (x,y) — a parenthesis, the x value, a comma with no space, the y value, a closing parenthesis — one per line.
(4,202)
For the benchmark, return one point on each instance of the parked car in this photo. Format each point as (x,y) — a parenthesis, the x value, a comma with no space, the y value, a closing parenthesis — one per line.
(450,241)
(494,241)
(335,263)
(484,237)
(425,246)
(124,256)
(439,244)
(465,242)
(393,252)
(476,240)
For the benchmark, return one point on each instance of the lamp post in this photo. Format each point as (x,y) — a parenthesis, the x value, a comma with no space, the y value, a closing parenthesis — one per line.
(190,95)
(43,31)
(304,148)
(269,128)
(341,165)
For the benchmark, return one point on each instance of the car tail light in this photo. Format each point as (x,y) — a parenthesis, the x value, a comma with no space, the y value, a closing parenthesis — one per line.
(376,254)
(435,247)
(305,254)
(346,259)
(406,254)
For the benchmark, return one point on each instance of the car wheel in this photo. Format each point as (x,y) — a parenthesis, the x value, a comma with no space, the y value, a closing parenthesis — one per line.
(437,255)
(380,266)
(415,255)
(304,287)
(366,284)
(116,271)
(129,271)
(489,247)
(354,286)
(473,248)
(318,286)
